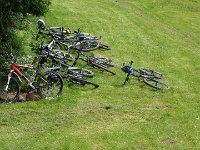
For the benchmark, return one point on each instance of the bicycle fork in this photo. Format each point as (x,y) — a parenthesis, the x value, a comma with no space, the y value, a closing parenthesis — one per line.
(127,78)
(7,84)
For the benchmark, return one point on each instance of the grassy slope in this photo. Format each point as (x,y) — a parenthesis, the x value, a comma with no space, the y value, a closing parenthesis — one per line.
(162,35)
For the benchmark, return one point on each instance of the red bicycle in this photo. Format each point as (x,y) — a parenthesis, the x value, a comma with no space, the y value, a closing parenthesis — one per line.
(46,81)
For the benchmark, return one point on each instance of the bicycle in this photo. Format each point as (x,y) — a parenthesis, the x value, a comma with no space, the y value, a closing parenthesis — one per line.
(72,74)
(94,62)
(46,81)
(77,39)
(148,76)
(89,42)
(72,42)
(78,79)
(57,60)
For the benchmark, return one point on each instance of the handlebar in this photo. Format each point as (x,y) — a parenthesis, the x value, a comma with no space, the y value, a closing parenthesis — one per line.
(128,68)
(130,64)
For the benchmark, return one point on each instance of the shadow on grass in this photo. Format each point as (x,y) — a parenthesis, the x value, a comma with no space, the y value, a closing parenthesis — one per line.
(85,87)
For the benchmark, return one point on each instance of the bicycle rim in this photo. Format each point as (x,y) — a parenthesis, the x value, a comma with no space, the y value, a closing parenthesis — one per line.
(12,93)
(156,84)
(149,72)
(49,89)
(81,71)
(105,61)
(103,46)
(88,45)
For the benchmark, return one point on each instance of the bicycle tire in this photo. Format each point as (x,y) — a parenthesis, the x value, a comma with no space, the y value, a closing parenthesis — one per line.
(48,88)
(87,45)
(104,60)
(156,84)
(12,94)
(91,62)
(100,67)
(151,73)
(81,71)
(83,81)
(63,55)
(103,46)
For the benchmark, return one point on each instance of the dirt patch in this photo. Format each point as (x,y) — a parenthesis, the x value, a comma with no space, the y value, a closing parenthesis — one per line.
(108,107)
(169,142)
(32,96)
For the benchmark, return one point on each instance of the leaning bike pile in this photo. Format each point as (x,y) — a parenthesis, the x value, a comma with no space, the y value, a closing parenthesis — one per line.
(57,60)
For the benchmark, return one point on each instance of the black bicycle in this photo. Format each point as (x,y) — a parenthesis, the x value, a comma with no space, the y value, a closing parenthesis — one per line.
(71,40)
(78,79)
(58,60)
(148,76)
(95,62)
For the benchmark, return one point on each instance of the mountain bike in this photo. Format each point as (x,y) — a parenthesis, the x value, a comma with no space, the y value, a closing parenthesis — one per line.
(146,75)
(46,82)
(89,42)
(76,40)
(78,79)
(72,42)
(72,74)
(57,60)
(93,61)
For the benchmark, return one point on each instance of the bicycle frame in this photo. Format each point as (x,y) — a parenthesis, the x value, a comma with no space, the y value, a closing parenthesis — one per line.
(15,69)
(43,78)
(136,73)
(78,56)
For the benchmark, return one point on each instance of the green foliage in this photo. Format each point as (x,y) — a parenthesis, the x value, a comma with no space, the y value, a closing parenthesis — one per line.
(13,15)
(35,46)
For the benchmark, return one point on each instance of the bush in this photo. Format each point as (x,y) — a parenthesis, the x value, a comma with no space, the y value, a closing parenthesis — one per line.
(14,15)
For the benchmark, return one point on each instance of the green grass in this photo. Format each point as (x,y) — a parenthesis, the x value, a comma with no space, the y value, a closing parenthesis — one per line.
(163,35)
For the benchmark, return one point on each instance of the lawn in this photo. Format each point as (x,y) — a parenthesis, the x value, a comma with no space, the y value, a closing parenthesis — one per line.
(163,35)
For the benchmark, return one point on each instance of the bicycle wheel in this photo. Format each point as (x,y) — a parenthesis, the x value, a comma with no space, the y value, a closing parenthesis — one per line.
(152,73)
(10,94)
(63,55)
(82,71)
(49,85)
(87,45)
(105,61)
(156,84)
(103,46)
(100,67)
(91,61)
(82,81)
